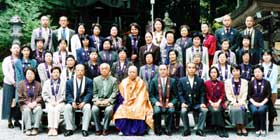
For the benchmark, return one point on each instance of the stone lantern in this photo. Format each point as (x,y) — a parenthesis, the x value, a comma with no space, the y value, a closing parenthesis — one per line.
(16,25)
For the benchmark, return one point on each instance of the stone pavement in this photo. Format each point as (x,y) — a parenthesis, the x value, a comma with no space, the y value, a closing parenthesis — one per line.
(16,134)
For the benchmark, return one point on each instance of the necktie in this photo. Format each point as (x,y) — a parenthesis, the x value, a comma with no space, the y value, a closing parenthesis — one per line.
(63,34)
(227,31)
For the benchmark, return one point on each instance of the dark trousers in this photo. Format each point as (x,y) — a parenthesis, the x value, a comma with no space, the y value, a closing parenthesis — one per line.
(259,116)
(158,111)
(217,117)
(201,119)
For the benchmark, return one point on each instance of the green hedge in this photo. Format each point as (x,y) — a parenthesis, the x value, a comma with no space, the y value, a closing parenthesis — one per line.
(1,75)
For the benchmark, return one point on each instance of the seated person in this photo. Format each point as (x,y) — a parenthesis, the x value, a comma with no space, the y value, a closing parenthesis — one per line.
(78,97)
(135,112)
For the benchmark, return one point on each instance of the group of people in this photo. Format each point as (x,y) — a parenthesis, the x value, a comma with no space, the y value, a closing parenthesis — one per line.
(136,81)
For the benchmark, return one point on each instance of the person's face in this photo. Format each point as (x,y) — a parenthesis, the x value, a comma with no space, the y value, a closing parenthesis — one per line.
(122,55)
(106,45)
(40,44)
(266,57)
(246,58)
(114,31)
(222,59)
(204,28)
(70,62)
(25,52)
(227,21)
(162,70)
(55,74)
(158,26)
(81,30)
(105,71)
(93,56)
(62,45)
(134,31)
(236,73)
(225,45)
(172,56)
(96,31)
(196,59)
(148,38)
(196,41)
(30,76)
(149,59)
(170,38)
(246,42)
(191,69)
(249,22)
(80,71)
(63,22)
(85,42)
(258,74)
(48,57)
(213,74)
(15,49)
(184,32)
(132,73)
(44,21)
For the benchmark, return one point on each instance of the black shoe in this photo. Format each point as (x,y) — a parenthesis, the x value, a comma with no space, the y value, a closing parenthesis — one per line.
(245,134)
(220,132)
(84,133)
(186,133)
(17,124)
(168,132)
(225,133)
(239,133)
(10,124)
(68,133)
(270,128)
(158,132)
(200,132)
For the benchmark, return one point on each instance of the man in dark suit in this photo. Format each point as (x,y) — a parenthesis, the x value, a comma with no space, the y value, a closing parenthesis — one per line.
(257,43)
(63,32)
(162,93)
(78,97)
(191,93)
(227,32)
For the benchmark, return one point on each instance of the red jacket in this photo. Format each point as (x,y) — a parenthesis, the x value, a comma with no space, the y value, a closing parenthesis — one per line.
(215,92)
(210,43)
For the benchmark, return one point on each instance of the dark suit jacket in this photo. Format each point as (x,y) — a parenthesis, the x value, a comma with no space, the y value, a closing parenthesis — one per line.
(233,36)
(93,43)
(254,59)
(156,54)
(193,97)
(55,39)
(154,95)
(128,46)
(83,58)
(84,97)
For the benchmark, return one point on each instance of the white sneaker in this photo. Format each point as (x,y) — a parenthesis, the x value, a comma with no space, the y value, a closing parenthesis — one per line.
(28,132)
(120,133)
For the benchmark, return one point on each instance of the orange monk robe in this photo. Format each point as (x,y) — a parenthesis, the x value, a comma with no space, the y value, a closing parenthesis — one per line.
(136,104)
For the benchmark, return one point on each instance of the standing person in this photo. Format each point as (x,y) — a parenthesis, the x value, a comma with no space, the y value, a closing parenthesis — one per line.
(95,39)
(82,54)
(236,90)
(39,51)
(92,66)
(209,41)
(191,92)
(108,55)
(184,41)
(76,39)
(44,32)
(54,96)
(9,87)
(30,101)
(163,95)
(259,92)
(246,66)
(44,69)
(120,68)
(175,68)
(148,71)
(116,42)
(78,97)
(254,58)
(158,34)
(227,32)
(202,70)
(134,113)
(59,56)
(63,32)
(149,47)
(223,67)
(215,95)
(133,43)
(105,89)
(231,58)
(256,42)
(197,48)
(69,71)
(170,44)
